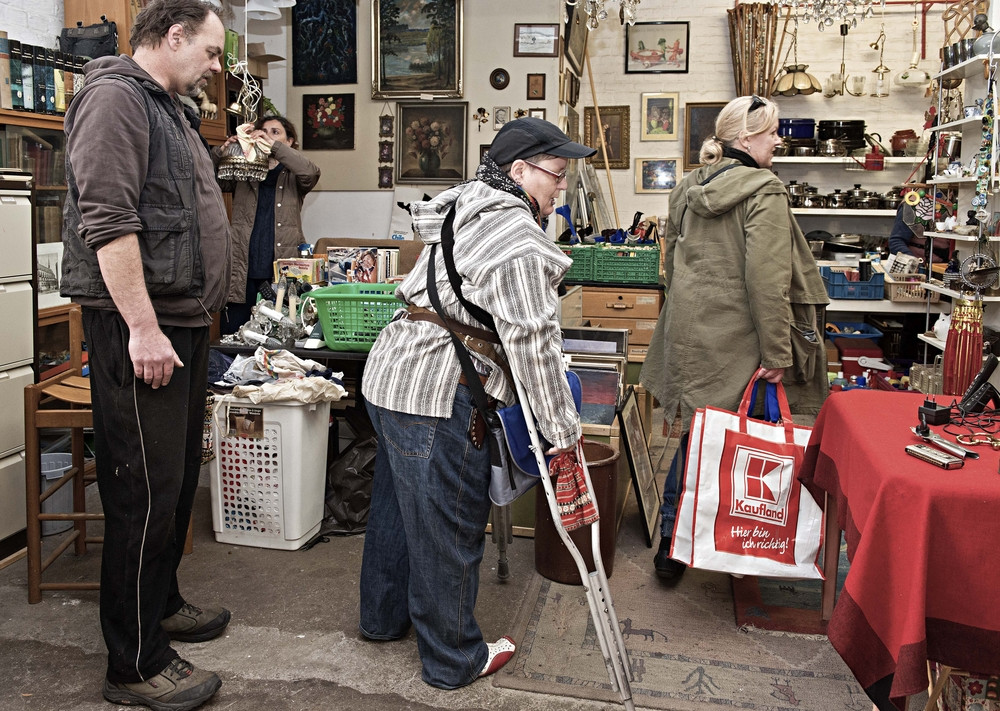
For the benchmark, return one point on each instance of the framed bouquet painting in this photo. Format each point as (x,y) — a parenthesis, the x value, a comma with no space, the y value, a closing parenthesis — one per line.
(432,146)
(328,122)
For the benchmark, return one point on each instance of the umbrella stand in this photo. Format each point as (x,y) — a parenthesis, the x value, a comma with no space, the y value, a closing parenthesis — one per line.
(595,582)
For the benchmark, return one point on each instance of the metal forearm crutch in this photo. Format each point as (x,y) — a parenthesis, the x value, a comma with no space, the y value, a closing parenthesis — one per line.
(595,582)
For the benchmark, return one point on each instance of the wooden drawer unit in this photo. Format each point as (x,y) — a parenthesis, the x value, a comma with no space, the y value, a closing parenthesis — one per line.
(640,330)
(618,302)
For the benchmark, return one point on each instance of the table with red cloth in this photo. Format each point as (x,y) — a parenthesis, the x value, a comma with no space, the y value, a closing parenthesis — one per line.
(924,581)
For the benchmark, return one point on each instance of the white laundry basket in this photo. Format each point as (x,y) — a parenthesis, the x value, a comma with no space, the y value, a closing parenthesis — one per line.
(269,472)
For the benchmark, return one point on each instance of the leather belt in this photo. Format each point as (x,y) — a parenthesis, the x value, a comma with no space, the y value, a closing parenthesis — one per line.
(418,313)
(462,380)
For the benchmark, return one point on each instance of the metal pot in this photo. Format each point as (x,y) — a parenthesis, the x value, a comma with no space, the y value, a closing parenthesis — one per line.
(857,192)
(868,202)
(831,148)
(803,151)
(781,150)
(890,200)
(796,189)
(836,200)
(813,200)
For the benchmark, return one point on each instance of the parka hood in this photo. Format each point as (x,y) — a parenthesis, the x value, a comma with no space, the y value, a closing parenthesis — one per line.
(729,189)
(122,65)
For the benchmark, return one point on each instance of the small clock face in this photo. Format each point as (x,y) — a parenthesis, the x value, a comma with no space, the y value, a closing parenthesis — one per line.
(499,79)
(979,272)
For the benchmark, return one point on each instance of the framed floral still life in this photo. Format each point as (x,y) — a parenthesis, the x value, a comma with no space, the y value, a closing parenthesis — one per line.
(656,47)
(385,129)
(385,151)
(416,48)
(656,175)
(432,147)
(699,124)
(615,120)
(328,122)
(385,176)
(659,117)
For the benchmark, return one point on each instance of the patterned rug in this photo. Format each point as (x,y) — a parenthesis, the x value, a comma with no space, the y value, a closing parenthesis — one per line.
(784,605)
(686,651)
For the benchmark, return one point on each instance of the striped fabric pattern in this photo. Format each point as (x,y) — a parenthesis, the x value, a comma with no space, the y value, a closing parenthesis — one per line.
(508,267)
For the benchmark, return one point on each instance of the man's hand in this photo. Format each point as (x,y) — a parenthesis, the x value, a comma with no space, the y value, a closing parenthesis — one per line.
(153,357)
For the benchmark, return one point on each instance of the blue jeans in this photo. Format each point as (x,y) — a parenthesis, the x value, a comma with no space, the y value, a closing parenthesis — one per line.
(672,488)
(425,539)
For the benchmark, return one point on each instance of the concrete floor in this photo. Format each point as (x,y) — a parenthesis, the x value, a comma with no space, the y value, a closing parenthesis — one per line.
(293,641)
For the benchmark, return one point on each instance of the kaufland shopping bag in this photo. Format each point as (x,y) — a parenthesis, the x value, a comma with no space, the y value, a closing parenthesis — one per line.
(743,509)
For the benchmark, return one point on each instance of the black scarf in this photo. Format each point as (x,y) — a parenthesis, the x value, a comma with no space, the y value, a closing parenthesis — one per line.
(742,156)
(489,172)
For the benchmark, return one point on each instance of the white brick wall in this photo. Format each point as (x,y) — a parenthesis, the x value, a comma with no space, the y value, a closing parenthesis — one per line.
(36,22)
(710,78)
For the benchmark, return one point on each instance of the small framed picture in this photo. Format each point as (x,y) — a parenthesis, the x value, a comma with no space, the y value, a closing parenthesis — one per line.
(537,113)
(536,87)
(484,148)
(615,127)
(656,47)
(385,122)
(656,175)
(643,475)
(385,151)
(501,115)
(659,117)
(699,124)
(536,40)
(385,176)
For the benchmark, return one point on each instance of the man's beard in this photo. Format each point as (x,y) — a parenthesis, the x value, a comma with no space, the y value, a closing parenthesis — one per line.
(195,89)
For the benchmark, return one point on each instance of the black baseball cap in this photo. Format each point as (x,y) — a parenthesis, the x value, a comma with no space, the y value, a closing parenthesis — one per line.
(529,136)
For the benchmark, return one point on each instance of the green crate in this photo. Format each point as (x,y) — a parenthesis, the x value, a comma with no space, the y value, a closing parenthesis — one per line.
(352,315)
(619,264)
(583,261)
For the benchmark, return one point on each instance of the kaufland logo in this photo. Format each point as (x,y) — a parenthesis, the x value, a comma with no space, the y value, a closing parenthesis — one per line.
(760,485)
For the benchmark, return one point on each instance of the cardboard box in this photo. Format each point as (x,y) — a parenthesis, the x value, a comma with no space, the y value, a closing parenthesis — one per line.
(257,57)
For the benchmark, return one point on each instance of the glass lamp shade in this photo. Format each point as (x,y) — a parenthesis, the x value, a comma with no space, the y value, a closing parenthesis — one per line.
(880,81)
(262,10)
(796,80)
(235,166)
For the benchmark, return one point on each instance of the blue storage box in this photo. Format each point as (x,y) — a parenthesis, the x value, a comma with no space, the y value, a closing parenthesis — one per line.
(853,330)
(839,287)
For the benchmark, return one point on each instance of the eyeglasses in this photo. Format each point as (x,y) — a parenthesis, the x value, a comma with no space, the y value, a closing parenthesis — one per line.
(558,176)
(755,103)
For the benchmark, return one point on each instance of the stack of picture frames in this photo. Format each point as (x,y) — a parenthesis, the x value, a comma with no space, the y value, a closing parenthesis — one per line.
(386,132)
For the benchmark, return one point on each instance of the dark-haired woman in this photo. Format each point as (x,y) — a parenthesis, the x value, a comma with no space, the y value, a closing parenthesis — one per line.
(267,216)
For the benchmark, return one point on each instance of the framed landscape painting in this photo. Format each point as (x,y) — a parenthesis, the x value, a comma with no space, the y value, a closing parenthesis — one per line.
(416,48)
(655,175)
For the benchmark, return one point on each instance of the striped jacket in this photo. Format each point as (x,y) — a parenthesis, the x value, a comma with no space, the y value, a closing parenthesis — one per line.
(509,268)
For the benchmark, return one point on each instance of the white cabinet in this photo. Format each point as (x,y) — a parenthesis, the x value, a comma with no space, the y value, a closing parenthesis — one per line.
(17,323)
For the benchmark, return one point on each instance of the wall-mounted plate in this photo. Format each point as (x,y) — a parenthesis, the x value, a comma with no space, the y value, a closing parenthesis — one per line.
(499,78)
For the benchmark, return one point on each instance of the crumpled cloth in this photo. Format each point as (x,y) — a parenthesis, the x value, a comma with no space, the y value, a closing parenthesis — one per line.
(249,144)
(304,390)
(284,364)
(573,498)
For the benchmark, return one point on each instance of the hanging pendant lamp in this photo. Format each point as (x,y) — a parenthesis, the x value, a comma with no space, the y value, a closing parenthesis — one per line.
(262,10)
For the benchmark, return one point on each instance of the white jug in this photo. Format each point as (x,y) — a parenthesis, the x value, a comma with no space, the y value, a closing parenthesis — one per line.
(941,326)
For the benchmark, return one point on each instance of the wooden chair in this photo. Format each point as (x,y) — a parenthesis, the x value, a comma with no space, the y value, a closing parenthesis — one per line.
(61,402)
(936,682)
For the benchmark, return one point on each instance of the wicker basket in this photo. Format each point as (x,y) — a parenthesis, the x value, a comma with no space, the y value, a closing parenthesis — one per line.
(908,290)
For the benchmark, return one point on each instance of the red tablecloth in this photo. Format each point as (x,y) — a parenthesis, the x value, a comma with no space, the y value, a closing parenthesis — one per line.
(924,580)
